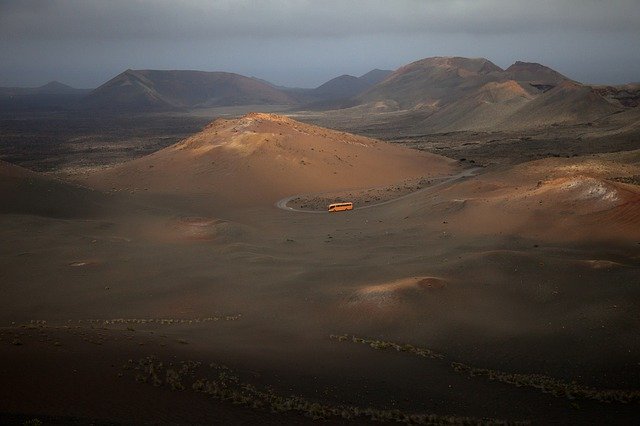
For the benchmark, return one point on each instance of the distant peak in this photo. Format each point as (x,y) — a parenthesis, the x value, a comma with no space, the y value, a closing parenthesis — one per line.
(377,71)
(375,76)
(452,59)
(54,83)
(534,71)
(530,65)
(55,88)
(344,77)
(129,71)
(476,65)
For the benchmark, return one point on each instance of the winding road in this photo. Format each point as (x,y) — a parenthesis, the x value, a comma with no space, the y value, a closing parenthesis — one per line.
(283,203)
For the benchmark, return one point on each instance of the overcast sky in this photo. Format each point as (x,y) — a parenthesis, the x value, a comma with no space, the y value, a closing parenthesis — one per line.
(306,42)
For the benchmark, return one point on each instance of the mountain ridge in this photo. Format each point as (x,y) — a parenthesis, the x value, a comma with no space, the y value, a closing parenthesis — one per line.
(154,90)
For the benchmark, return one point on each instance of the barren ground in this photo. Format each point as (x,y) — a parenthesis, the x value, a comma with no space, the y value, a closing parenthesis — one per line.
(508,296)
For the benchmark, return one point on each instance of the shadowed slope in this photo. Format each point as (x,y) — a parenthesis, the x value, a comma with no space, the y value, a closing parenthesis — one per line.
(25,192)
(568,102)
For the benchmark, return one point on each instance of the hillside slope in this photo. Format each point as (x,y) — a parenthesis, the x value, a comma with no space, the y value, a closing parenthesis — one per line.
(453,94)
(260,158)
(433,81)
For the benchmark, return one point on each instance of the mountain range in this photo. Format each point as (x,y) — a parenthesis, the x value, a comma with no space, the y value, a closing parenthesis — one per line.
(51,96)
(430,95)
(51,88)
(152,90)
(339,92)
(453,93)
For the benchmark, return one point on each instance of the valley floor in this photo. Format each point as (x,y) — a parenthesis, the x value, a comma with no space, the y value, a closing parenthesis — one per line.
(507,296)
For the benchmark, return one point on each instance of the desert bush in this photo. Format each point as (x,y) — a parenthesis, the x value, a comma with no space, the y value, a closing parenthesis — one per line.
(227,386)
(546,384)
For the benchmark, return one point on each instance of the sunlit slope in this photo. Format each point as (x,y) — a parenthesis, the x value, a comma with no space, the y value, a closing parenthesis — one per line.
(260,158)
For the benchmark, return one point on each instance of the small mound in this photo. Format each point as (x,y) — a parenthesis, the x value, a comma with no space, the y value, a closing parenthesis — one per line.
(403,285)
(602,264)
(86,262)
(206,228)
(192,229)
(431,283)
(591,183)
(582,194)
(587,188)
(391,293)
(592,168)
(502,91)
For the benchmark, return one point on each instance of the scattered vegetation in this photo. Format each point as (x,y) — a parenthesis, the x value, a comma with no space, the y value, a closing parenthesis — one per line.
(382,345)
(633,180)
(130,321)
(556,387)
(546,384)
(225,385)
(81,327)
(161,321)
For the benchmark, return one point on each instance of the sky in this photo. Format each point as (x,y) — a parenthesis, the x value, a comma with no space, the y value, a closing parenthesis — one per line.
(303,43)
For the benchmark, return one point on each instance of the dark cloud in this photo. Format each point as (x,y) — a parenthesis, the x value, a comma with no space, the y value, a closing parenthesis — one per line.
(170,19)
(317,39)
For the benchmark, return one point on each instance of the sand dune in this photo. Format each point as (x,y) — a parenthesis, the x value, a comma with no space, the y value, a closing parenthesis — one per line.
(260,158)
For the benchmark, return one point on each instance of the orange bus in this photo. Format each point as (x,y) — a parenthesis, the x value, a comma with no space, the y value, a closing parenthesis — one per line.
(339,207)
